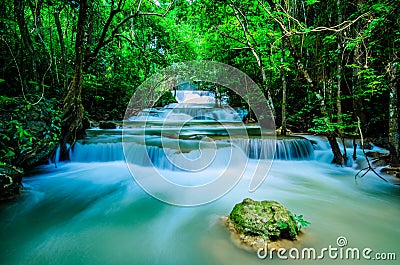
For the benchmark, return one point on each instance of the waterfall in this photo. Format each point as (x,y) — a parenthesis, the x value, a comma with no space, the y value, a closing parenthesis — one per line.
(195,105)
(286,149)
(323,152)
(195,96)
(97,152)
(55,159)
(189,112)
(144,155)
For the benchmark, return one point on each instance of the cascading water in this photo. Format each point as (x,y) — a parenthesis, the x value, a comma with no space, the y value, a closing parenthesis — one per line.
(288,149)
(323,152)
(91,211)
(192,106)
(197,96)
(181,112)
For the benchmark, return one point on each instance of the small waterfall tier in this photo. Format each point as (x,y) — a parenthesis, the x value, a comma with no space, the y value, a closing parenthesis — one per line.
(189,113)
(193,105)
(195,96)
(285,149)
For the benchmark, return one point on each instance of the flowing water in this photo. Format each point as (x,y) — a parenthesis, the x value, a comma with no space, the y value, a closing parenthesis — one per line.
(91,211)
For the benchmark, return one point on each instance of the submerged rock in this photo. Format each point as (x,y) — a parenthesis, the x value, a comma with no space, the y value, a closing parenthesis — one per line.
(257,222)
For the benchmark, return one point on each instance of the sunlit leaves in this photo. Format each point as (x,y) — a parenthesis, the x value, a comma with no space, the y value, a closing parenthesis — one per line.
(311,2)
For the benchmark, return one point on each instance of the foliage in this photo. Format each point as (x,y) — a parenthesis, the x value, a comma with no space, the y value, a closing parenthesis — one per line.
(323,125)
(300,221)
(165,99)
(28,132)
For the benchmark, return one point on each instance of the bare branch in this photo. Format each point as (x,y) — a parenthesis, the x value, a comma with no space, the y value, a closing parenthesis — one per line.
(284,30)
(246,34)
(138,8)
(337,28)
(158,14)
(240,48)
(151,14)
(233,38)
(365,155)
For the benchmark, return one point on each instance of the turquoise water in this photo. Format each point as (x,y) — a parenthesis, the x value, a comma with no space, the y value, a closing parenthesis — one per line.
(94,213)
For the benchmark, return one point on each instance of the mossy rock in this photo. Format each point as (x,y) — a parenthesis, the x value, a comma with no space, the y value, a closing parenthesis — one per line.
(267,220)
(10,182)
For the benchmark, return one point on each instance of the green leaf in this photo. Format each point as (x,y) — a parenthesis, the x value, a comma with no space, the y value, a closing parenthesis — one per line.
(311,2)
(301,222)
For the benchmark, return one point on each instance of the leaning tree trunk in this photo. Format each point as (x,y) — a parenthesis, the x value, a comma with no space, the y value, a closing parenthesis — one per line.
(73,109)
(337,154)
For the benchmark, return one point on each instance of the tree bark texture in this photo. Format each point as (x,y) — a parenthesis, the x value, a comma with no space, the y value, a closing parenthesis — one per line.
(73,110)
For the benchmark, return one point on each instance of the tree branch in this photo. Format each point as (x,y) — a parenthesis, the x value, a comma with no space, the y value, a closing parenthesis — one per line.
(365,155)
(103,41)
(337,28)
(89,58)
(138,8)
(233,38)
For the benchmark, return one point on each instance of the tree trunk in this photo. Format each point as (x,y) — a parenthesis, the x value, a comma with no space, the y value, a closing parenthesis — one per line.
(394,138)
(339,82)
(27,43)
(258,58)
(62,44)
(338,158)
(339,107)
(217,105)
(359,60)
(337,154)
(72,127)
(283,126)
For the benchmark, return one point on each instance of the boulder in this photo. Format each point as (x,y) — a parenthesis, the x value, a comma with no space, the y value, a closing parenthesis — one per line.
(394,171)
(10,182)
(257,222)
(107,125)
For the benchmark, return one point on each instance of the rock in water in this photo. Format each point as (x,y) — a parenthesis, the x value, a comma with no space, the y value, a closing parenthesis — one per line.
(107,125)
(257,222)
(10,182)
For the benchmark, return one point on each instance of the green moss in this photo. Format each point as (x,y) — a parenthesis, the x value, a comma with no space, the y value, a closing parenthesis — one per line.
(267,219)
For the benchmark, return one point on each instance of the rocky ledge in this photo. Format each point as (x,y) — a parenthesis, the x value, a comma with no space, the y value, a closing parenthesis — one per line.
(254,223)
